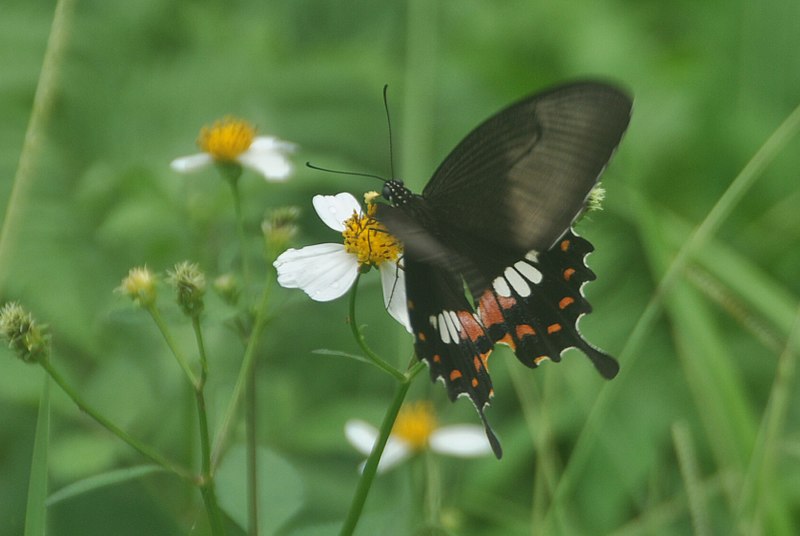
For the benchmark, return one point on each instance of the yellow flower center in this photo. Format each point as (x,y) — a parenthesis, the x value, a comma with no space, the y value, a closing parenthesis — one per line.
(368,239)
(226,139)
(415,423)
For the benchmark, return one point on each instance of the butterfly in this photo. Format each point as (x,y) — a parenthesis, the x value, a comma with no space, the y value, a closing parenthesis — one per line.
(495,220)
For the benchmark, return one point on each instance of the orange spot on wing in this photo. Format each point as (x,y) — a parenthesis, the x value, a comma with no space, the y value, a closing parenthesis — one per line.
(565,302)
(507,340)
(490,310)
(474,382)
(421,336)
(553,328)
(437,358)
(476,361)
(564,245)
(523,330)
(568,273)
(454,375)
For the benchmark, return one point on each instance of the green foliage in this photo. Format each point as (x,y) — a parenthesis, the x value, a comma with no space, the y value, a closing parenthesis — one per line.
(701,430)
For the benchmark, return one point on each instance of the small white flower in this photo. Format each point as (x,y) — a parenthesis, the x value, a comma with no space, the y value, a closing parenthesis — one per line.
(326,271)
(232,140)
(415,430)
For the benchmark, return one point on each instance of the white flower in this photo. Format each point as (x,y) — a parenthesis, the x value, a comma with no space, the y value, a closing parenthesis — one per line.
(232,140)
(326,271)
(415,430)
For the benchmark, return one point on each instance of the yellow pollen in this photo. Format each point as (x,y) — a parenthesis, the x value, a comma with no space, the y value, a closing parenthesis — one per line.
(415,423)
(368,239)
(226,139)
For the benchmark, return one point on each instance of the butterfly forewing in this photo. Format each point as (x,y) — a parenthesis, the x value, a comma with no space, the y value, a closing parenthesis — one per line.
(521,177)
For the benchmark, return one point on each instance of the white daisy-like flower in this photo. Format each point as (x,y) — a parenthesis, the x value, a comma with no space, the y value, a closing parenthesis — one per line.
(414,431)
(234,141)
(326,271)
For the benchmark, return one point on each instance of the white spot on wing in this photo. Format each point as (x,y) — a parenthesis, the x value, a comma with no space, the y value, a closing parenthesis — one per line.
(529,272)
(443,331)
(532,255)
(517,282)
(456,321)
(500,286)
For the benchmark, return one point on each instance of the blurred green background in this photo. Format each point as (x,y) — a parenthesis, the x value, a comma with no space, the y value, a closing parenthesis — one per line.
(699,434)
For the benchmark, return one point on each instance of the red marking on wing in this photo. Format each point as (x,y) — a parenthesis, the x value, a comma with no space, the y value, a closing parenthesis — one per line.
(568,273)
(454,375)
(472,329)
(565,245)
(565,302)
(553,328)
(491,307)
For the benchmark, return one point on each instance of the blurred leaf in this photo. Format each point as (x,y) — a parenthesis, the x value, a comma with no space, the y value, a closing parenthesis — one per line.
(338,353)
(36,510)
(280,489)
(110,478)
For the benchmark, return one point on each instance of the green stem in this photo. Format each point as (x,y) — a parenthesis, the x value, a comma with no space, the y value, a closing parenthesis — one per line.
(206,478)
(212,507)
(241,382)
(371,468)
(362,342)
(165,332)
(237,206)
(140,447)
(35,135)
(201,349)
(251,445)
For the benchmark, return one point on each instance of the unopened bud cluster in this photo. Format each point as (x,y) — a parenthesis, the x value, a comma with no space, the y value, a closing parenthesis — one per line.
(190,284)
(25,337)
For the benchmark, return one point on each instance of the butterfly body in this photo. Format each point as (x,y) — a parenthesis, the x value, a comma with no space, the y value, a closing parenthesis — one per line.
(497,218)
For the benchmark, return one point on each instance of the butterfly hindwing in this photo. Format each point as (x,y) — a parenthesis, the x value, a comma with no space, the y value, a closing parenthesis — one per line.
(534,306)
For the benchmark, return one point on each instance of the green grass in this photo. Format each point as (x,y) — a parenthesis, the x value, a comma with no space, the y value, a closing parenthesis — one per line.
(696,254)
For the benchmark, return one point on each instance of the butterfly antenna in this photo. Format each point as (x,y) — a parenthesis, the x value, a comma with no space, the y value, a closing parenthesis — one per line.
(389,125)
(341,172)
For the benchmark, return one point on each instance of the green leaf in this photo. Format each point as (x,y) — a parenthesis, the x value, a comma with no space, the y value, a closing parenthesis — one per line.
(93,483)
(280,489)
(338,353)
(36,511)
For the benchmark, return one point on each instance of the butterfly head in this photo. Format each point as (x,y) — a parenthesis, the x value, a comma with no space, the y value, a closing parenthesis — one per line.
(396,193)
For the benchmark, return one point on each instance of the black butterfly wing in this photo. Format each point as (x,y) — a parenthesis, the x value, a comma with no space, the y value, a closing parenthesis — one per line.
(535,305)
(519,179)
(449,336)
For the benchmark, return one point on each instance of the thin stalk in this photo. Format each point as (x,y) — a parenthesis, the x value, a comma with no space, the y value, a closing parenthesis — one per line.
(371,468)
(237,206)
(137,445)
(45,96)
(206,478)
(242,380)
(362,342)
(176,351)
(212,508)
(251,446)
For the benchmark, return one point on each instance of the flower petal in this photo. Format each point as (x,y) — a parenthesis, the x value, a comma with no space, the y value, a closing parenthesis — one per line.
(265,157)
(393,280)
(363,435)
(272,144)
(188,164)
(323,271)
(462,440)
(334,210)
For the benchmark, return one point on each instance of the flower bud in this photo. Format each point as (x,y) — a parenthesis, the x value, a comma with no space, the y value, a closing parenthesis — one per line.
(140,286)
(25,337)
(190,284)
